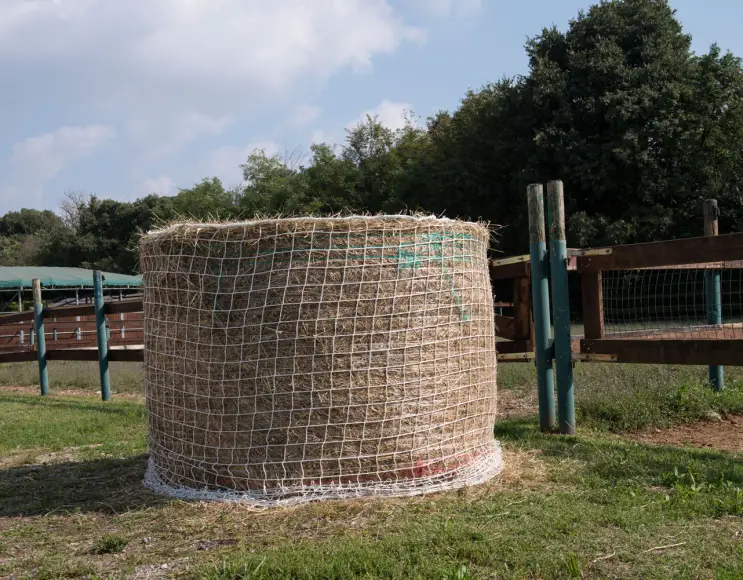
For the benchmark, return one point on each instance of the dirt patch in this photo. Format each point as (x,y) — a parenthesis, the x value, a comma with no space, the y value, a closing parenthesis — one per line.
(517,403)
(38,457)
(725,434)
(65,392)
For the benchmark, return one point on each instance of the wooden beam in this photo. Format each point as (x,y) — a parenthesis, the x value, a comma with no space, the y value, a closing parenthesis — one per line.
(27,316)
(504,327)
(523,327)
(593,304)
(732,331)
(667,254)
(124,306)
(508,271)
(513,346)
(69,311)
(23,356)
(679,352)
(114,355)
(72,354)
(125,355)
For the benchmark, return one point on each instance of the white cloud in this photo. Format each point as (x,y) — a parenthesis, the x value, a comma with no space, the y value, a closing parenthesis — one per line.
(170,73)
(37,160)
(319,136)
(202,54)
(225,162)
(167,135)
(50,152)
(446,8)
(390,114)
(161,185)
(304,114)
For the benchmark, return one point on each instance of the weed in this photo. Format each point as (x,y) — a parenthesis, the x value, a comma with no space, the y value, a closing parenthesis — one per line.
(573,566)
(459,573)
(109,544)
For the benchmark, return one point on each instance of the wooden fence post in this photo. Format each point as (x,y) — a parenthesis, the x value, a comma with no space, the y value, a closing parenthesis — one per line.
(40,338)
(523,327)
(592,295)
(561,308)
(541,305)
(713,298)
(101,335)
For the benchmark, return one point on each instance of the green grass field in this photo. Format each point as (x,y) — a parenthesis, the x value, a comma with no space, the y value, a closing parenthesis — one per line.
(596,505)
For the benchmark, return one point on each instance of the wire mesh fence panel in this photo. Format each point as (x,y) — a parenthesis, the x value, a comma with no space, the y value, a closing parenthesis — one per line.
(700,301)
(298,359)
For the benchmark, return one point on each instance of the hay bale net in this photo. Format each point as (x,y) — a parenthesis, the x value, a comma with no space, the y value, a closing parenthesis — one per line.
(297,359)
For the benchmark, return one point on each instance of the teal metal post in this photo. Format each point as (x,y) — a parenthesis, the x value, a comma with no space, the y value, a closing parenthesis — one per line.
(561,308)
(712,290)
(541,305)
(100,327)
(40,338)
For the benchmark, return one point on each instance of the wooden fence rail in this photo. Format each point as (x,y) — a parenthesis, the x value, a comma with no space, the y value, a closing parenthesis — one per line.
(699,346)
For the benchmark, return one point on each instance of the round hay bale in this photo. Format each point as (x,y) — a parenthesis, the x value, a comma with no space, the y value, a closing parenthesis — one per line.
(297,359)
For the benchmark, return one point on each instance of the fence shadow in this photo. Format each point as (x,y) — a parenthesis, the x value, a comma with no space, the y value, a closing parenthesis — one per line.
(81,405)
(100,486)
(617,460)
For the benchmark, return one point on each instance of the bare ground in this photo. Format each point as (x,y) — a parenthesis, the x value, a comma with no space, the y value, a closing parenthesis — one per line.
(725,434)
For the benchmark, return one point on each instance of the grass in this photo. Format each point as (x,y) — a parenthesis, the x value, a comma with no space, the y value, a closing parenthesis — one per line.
(595,505)
(621,397)
(74,375)
(110,544)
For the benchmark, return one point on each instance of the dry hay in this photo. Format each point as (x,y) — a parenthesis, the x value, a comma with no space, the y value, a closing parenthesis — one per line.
(296,359)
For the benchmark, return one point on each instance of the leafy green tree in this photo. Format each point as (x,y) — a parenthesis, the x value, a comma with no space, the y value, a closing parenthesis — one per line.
(107,234)
(272,186)
(29,221)
(618,107)
(206,200)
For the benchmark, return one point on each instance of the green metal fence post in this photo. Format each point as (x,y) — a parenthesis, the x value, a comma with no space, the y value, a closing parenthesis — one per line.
(541,305)
(561,308)
(712,290)
(100,331)
(40,338)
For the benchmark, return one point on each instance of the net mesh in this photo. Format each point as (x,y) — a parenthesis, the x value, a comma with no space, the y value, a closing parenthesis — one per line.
(675,303)
(298,359)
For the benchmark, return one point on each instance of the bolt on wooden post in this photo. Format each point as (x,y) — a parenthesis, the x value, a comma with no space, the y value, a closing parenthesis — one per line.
(40,338)
(712,290)
(561,308)
(541,306)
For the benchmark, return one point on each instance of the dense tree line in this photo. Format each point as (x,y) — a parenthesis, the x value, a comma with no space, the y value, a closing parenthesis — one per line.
(638,127)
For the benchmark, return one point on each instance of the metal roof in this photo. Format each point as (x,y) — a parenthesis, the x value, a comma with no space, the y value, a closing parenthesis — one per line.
(13,277)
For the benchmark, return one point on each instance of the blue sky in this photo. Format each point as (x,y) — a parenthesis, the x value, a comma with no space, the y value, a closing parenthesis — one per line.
(125,97)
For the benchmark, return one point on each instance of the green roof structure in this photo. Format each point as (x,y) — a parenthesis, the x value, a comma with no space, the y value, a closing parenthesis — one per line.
(52,277)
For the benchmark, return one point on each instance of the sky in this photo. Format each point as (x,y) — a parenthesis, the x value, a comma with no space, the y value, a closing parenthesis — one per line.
(121,98)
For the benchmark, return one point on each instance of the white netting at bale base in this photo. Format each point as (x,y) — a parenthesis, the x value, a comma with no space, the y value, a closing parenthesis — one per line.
(299,359)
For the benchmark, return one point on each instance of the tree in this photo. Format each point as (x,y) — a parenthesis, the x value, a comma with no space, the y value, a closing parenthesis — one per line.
(207,200)
(107,234)
(638,127)
(618,107)
(28,222)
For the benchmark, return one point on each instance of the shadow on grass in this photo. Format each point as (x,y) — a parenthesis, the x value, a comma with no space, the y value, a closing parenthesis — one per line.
(103,407)
(101,485)
(619,461)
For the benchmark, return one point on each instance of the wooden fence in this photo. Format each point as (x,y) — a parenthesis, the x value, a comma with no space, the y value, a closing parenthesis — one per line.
(693,346)
(71,333)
